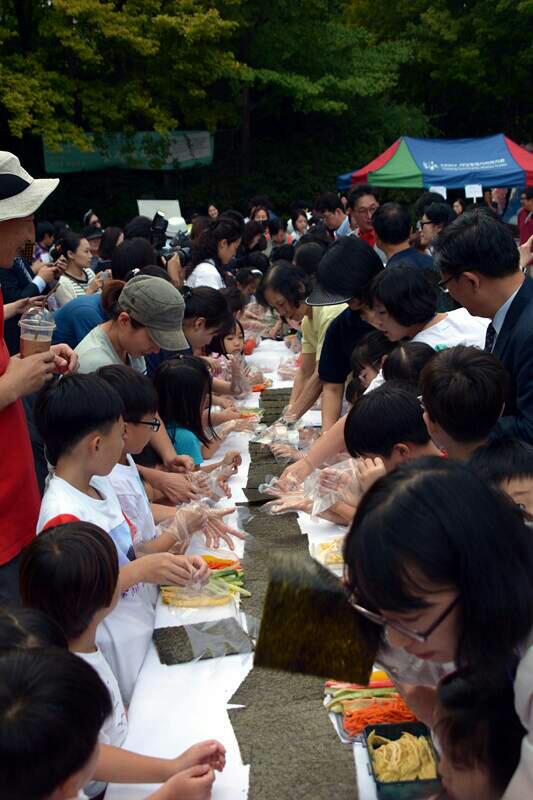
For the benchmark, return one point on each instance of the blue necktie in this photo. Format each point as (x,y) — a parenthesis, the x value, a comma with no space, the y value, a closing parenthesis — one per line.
(490,338)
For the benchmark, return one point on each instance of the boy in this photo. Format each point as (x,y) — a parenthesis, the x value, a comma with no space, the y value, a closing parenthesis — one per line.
(80,421)
(388,424)
(463,393)
(52,706)
(508,464)
(139,400)
(70,573)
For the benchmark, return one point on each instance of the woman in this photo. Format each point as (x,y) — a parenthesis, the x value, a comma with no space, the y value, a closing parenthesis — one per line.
(212,211)
(212,252)
(144,316)
(459,206)
(300,225)
(77,278)
(440,566)
(285,288)
(435,217)
(111,239)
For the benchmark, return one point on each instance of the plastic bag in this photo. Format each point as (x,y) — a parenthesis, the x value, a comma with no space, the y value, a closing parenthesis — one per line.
(328,486)
(240,382)
(279,432)
(287,503)
(218,638)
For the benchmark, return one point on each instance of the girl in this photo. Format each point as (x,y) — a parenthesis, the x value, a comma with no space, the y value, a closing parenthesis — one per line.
(206,312)
(230,342)
(368,357)
(77,279)
(212,251)
(406,362)
(440,566)
(300,224)
(184,389)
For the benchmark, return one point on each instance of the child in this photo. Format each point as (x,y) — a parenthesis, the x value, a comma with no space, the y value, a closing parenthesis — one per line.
(52,707)
(230,342)
(70,573)
(479,736)
(139,399)
(369,355)
(23,628)
(79,418)
(508,464)
(387,423)
(184,389)
(463,391)
(405,363)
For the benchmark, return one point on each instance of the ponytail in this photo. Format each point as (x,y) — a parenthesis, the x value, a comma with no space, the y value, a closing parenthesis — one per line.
(206,246)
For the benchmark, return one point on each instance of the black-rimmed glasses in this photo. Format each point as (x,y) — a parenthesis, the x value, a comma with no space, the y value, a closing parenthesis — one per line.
(154,424)
(418,636)
(444,283)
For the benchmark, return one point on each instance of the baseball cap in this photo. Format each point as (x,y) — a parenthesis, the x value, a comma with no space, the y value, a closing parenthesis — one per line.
(156,304)
(92,232)
(346,271)
(20,194)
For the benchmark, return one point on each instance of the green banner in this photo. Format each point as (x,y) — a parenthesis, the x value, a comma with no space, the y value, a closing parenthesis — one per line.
(143,150)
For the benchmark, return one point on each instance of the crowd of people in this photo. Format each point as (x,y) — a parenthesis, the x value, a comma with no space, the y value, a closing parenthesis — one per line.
(413,330)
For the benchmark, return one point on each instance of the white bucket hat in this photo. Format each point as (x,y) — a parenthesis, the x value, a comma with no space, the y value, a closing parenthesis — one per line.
(20,194)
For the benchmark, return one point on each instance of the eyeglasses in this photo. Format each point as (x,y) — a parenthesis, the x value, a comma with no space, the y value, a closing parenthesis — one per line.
(420,224)
(154,424)
(443,284)
(418,636)
(421,402)
(367,212)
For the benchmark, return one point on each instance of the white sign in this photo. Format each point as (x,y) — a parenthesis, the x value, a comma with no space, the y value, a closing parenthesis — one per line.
(439,190)
(473,190)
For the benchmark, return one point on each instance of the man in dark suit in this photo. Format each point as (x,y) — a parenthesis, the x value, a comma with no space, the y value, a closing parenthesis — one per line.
(479,262)
(19,281)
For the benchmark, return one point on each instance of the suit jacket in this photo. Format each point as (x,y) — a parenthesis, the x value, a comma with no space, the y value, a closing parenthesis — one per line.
(514,348)
(15,285)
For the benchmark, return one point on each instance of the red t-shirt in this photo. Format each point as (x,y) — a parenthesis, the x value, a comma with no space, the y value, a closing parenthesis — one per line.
(525,224)
(19,493)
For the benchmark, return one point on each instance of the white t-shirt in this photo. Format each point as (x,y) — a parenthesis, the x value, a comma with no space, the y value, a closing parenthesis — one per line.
(205,274)
(125,634)
(115,728)
(458,327)
(129,488)
(95,351)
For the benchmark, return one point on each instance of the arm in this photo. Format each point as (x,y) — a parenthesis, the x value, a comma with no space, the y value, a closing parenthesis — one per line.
(328,445)
(116,765)
(520,424)
(332,394)
(308,397)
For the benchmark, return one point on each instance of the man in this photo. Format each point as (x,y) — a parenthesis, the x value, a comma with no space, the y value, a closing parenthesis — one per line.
(392,226)
(363,202)
(93,234)
(21,195)
(344,276)
(479,262)
(44,237)
(335,218)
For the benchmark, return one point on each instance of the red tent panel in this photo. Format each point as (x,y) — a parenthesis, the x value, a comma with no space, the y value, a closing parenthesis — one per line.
(361,176)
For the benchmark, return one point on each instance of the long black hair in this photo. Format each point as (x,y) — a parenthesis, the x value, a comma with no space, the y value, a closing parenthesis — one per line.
(205,248)
(183,385)
(437,521)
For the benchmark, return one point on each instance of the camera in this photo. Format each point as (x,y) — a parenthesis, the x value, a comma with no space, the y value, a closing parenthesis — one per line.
(167,246)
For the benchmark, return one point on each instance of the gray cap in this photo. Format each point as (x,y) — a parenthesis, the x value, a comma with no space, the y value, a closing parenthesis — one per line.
(157,305)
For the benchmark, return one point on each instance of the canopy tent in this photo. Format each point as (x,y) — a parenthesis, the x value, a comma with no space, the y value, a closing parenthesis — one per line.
(453,163)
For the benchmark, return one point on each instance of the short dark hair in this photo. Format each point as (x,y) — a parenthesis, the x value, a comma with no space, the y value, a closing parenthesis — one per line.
(433,521)
(245,277)
(235,302)
(406,361)
(276,225)
(251,230)
(383,418)
(43,228)
(329,201)
(307,256)
(52,707)
(370,350)
(354,390)
(503,460)
(424,201)
(68,409)
(464,390)
(392,223)
(133,253)
(70,572)
(289,281)
(361,191)
(138,226)
(349,267)
(477,725)
(182,385)
(479,242)
(22,628)
(136,391)
(406,292)
(296,214)
(440,213)
(108,242)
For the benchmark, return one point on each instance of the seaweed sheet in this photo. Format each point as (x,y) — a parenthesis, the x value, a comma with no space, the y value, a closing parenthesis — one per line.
(211,640)
(308,625)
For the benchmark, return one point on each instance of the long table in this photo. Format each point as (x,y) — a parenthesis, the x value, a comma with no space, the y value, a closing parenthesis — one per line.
(174,707)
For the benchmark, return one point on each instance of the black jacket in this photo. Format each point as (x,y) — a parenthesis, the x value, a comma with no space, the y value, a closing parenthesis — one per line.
(15,285)
(514,348)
